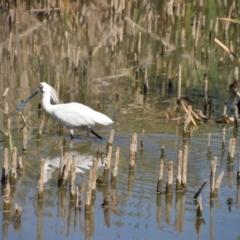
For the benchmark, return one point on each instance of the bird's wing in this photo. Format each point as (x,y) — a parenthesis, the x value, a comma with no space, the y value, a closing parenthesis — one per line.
(76,115)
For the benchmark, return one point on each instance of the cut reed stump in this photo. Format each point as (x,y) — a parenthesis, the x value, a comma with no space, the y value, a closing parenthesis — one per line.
(72,179)
(209,151)
(169,184)
(5,166)
(107,166)
(179,171)
(184,166)
(63,169)
(94,176)
(215,184)
(179,84)
(160,177)
(162,154)
(88,206)
(24,143)
(115,167)
(7,198)
(13,171)
(231,151)
(20,164)
(41,180)
(110,140)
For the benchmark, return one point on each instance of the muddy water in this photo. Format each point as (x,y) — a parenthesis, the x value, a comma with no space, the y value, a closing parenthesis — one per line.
(75,52)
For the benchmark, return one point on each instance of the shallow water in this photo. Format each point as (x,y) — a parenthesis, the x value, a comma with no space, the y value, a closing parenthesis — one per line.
(107,82)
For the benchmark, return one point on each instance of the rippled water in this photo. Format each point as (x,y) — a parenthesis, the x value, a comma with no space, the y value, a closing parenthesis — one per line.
(41,51)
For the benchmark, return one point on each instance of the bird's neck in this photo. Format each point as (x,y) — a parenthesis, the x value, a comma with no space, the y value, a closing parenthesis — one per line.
(46,102)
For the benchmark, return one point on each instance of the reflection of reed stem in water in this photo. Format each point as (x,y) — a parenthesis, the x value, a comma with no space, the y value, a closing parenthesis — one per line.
(39,220)
(238,171)
(79,193)
(41,180)
(7,198)
(107,198)
(16,218)
(5,167)
(231,151)
(133,152)
(72,180)
(160,176)
(13,171)
(115,167)
(42,120)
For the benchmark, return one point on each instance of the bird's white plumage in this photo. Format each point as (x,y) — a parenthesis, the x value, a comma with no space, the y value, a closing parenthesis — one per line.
(73,114)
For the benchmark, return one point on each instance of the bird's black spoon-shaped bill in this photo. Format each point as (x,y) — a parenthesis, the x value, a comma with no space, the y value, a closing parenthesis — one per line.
(23,103)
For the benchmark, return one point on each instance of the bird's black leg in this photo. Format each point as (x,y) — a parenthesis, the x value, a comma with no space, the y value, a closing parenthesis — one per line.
(94,133)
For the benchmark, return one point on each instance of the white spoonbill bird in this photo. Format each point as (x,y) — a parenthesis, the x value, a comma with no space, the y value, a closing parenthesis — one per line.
(72,114)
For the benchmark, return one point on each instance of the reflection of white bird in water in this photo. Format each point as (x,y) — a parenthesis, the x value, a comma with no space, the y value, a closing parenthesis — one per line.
(83,163)
(72,114)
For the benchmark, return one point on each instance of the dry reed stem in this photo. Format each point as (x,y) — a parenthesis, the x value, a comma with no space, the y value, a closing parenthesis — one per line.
(179,82)
(199,190)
